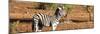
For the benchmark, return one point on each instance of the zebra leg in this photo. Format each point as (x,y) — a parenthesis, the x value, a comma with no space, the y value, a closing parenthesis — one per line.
(40,25)
(54,25)
(36,25)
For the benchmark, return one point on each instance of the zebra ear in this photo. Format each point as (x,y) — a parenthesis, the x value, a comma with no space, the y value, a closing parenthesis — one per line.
(61,6)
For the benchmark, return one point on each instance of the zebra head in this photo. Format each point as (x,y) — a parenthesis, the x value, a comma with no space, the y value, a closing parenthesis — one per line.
(59,12)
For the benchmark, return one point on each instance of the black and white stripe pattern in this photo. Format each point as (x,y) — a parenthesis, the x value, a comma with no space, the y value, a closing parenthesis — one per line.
(40,20)
(43,18)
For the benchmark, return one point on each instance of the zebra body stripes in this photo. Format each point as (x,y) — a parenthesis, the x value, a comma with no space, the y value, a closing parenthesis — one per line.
(39,20)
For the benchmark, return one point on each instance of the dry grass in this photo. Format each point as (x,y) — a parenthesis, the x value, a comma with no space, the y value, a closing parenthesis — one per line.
(27,27)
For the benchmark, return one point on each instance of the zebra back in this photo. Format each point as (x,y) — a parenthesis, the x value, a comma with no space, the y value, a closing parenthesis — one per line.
(45,19)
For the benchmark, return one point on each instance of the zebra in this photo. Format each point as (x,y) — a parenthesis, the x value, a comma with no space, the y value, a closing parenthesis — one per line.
(39,20)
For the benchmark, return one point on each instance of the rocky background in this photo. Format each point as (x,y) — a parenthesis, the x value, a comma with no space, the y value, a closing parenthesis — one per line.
(20,16)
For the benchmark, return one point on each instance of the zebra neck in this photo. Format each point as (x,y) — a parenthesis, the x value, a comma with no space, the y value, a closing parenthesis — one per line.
(57,17)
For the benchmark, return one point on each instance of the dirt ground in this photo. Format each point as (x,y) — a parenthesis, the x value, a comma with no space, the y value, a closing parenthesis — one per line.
(26,27)
(21,14)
